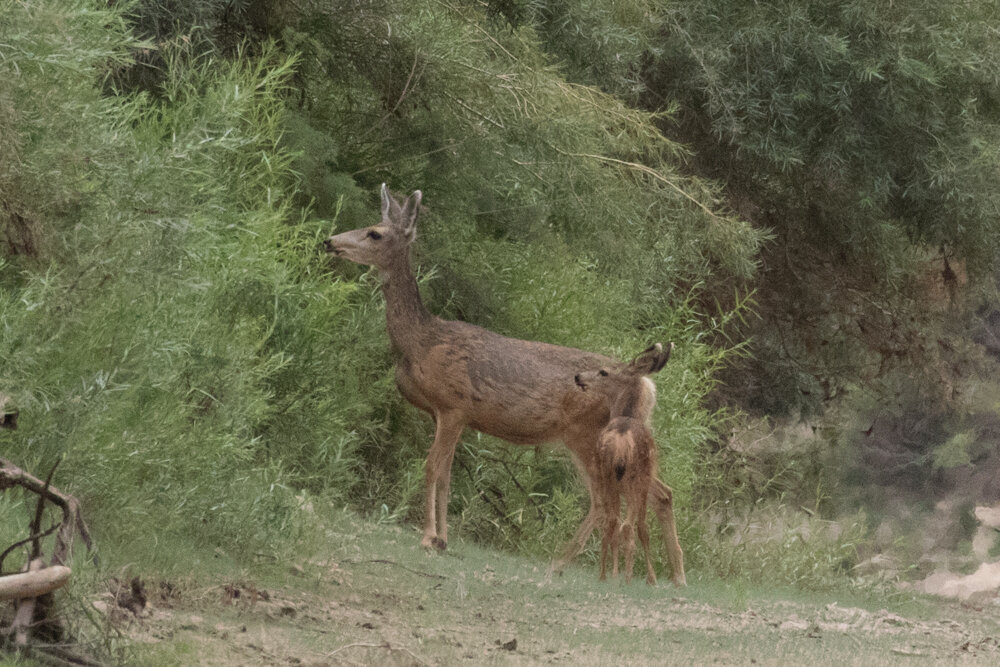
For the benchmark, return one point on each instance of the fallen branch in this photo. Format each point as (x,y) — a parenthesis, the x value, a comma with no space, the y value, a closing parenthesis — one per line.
(11,475)
(34,582)
(31,590)
(20,543)
(25,614)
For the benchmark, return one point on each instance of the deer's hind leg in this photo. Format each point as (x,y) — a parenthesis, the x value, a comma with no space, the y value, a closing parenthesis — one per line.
(438,471)
(662,499)
(589,474)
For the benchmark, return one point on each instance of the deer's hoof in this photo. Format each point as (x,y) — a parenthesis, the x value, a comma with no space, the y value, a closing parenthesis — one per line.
(439,544)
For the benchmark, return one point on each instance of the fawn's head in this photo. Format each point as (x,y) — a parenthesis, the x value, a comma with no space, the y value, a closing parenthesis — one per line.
(380,244)
(625,386)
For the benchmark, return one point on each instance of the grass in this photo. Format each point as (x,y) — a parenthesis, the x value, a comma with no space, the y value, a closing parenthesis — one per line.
(367,593)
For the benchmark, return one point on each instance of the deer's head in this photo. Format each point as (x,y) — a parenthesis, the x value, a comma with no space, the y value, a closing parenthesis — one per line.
(612,379)
(379,244)
(624,386)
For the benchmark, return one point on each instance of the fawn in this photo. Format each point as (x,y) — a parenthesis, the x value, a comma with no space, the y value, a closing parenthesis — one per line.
(626,455)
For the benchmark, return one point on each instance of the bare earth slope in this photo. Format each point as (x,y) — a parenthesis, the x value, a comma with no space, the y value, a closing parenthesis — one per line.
(375,598)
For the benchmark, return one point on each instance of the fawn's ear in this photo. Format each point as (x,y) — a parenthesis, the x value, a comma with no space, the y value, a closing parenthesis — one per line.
(408,216)
(663,359)
(651,360)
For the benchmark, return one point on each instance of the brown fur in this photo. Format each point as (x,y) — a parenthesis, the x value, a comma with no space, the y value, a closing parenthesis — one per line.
(626,455)
(464,375)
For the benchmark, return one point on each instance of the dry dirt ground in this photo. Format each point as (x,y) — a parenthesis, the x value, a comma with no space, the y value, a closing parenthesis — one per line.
(378,599)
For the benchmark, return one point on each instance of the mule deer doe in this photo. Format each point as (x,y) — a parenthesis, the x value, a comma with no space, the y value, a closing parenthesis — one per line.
(464,375)
(626,454)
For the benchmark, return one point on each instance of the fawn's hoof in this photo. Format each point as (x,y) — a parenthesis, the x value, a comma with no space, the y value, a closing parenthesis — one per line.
(433,543)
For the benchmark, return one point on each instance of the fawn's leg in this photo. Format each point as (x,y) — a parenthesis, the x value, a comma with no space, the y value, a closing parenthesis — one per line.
(627,533)
(608,543)
(643,531)
(608,497)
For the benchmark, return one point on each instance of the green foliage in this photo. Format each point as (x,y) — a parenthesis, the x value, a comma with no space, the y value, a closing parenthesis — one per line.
(856,103)
(864,134)
(174,344)
(772,542)
(602,43)
(954,452)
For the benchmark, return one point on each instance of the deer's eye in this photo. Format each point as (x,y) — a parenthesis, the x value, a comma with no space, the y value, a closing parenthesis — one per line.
(373,235)
(603,373)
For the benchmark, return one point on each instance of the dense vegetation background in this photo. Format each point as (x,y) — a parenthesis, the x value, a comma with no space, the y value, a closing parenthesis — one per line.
(802,195)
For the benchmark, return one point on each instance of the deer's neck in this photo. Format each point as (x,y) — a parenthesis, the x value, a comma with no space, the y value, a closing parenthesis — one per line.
(627,405)
(405,313)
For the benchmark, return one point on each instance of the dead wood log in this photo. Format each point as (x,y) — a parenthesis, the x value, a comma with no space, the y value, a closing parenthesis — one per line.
(25,615)
(33,588)
(36,581)
(72,523)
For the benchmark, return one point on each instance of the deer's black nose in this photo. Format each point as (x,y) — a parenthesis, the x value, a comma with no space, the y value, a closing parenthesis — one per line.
(328,244)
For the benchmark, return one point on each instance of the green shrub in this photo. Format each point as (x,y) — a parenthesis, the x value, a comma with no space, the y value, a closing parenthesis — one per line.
(181,342)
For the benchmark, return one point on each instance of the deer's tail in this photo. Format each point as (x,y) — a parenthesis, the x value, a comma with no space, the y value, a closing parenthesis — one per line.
(623,450)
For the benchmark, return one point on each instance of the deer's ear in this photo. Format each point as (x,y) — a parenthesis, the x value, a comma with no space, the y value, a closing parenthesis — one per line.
(389,205)
(408,217)
(663,359)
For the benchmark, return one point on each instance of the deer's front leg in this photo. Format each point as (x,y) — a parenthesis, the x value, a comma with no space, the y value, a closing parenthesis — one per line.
(438,472)
(585,464)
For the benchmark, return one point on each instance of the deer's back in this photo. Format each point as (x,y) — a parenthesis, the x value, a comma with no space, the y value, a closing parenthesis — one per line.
(518,390)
